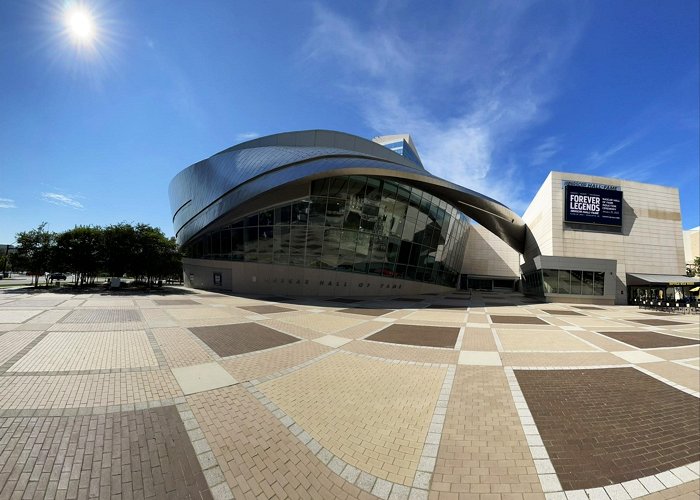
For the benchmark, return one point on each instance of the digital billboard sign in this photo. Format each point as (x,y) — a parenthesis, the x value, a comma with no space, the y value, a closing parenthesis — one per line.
(590,205)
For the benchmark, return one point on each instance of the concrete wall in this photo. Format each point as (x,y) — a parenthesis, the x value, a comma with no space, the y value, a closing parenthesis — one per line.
(251,277)
(538,218)
(651,240)
(691,244)
(487,255)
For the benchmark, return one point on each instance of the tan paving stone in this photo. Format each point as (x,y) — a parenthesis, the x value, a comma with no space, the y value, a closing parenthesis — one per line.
(542,340)
(198,313)
(265,363)
(83,390)
(179,348)
(323,323)
(109,302)
(478,339)
(295,330)
(13,342)
(483,448)
(158,318)
(600,340)
(381,411)
(18,315)
(685,376)
(260,458)
(403,353)
(686,491)
(437,316)
(50,316)
(63,351)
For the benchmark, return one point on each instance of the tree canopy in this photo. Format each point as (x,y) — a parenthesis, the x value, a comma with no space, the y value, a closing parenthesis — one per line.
(141,251)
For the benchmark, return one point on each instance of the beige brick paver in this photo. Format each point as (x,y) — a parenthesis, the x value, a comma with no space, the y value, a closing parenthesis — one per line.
(683,375)
(179,348)
(260,458)
(403,353)
(371,413)
(63,351)
(542,340)
(259,364)
(483,448)
(80,391)
(13,342)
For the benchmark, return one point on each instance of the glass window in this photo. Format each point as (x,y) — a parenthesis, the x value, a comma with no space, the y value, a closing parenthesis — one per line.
(564,281)
(346,251)
(226,244)
(331,245)
(338,187)
(335,212)
(237,244)
(283,215)
(251,220)
(598,283)
(356,188)
(297,244)
(281,244)
(317,211)
(587,283)
(314,246)
(550,280)
(265,244)
(373,191)
(320,187)
(576,282)
(300,212)
(251,244)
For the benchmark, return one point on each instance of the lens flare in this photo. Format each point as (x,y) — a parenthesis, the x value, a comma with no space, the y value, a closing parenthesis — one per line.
(80,25)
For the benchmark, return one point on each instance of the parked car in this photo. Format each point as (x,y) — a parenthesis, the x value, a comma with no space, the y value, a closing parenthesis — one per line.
(57,276)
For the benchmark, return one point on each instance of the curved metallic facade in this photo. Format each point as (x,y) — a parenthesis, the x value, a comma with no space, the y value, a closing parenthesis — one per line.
(279,170)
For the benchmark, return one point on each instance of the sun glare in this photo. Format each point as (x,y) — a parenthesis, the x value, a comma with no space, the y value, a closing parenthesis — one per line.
(80,25)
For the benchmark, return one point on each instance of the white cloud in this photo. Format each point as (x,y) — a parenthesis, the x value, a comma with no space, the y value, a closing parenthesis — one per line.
(465,93)
(545,151)
(7,203)
(62,200)
(247,136)
(600,158)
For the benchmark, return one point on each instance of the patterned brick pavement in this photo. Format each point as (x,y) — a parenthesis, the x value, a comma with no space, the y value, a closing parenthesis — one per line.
(608,426)
(89,405)
(241,338)
(426,336)
(133,454)
(646,340)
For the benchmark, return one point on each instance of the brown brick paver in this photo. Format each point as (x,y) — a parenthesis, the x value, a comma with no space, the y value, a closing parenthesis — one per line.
(134,454)
(426,336)
(517,320)
(611,425)
(241,338)
(267,309)
(483,448)
(646,340)
(259,457)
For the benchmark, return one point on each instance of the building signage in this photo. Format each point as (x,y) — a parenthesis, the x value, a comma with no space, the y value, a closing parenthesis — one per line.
(592,205)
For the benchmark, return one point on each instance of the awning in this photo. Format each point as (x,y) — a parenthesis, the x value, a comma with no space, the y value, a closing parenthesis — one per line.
(661,279)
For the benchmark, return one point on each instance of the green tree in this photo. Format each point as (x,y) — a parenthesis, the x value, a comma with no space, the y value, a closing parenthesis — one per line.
(35,252)
(119,249)
(694,268)
(155,256)
(80,250)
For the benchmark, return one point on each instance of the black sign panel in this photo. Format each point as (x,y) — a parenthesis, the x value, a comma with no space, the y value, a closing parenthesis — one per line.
(593,205)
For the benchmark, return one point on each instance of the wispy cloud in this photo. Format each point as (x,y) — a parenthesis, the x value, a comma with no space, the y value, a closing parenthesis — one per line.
(600,158)
(62,200)
(460,93)
(7,203)
(246,136)
(545,151)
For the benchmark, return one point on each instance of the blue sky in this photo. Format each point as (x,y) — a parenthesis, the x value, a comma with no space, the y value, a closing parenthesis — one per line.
(495,94)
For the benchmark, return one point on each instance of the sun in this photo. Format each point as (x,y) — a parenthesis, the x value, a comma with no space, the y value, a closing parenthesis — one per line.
(80,25)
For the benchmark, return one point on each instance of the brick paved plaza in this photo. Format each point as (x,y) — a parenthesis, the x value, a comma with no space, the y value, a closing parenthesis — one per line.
(204,395)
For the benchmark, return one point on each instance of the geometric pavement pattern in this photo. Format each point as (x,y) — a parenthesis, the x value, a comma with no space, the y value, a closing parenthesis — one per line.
(607,426)
(89,405)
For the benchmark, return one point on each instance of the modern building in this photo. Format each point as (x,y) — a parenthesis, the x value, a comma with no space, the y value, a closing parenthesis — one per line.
(324,213)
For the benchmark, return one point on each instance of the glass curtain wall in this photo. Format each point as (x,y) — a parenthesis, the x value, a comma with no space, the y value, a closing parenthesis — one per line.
(356,224)
(571,282)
